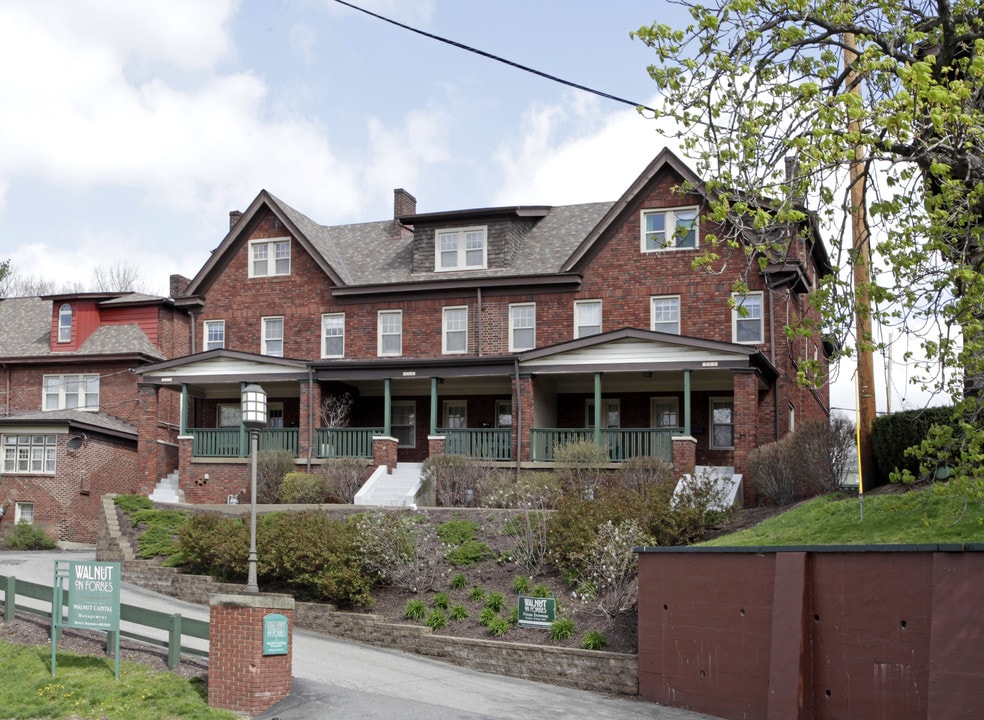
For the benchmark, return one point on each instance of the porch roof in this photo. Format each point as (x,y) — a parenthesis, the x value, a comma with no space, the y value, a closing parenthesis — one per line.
(75,420)
(224,366)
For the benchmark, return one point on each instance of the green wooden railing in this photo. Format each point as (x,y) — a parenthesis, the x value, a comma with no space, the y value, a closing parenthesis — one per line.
(345,442)
(234,442)
(480,443)
(622,443)
(175,625)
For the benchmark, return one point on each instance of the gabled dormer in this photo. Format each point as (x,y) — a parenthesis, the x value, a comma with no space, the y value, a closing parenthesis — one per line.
(76,318)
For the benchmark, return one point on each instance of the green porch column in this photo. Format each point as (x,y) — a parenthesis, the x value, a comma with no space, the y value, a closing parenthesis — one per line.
(597,413)
(433,427)
(387,406)
(184,409)
(686,402)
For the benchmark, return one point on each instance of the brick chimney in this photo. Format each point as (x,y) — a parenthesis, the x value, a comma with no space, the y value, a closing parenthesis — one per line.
(404,204)
(179,284)
(234,216)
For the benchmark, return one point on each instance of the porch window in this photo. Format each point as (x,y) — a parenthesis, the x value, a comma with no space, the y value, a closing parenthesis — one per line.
(664,412)
(665,314)
(722,423)
(214,335)
(33,454)
(272,340)
(522,327)
(71,392)
(65,323)
(746,318)
(455,331)
(333,335)
(610,414)
(461,249)
(24,513)
(403,423)
(503,413)
(669,229)
(269,257)
(390,323)
(455,414)
(587,318)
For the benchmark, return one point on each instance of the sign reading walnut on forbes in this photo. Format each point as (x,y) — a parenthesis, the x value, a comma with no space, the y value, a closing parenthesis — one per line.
(94,595)
(537,612)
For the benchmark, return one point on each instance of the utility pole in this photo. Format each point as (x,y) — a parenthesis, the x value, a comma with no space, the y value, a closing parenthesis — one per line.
(862,280)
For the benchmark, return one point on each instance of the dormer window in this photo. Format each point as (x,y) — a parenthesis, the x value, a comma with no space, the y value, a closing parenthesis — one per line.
(461,249)
(674,229)
(269,257)
(65,323)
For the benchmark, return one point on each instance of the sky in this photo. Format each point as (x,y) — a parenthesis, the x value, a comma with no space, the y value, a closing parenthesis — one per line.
(129,129)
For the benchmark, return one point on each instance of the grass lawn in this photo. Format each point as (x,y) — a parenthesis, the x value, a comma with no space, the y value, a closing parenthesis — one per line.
(86,687)
(926,516)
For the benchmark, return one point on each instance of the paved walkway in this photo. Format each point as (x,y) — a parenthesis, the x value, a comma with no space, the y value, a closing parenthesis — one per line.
(340,679)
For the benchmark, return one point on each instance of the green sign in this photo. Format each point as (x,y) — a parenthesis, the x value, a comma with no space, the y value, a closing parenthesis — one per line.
(537,612)
(276,634)
(94,595)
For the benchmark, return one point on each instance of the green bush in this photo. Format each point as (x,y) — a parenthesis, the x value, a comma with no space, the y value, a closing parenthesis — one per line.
(272,466)
(594,640)
(458,582)
(495,601)
(497,626)
(25,536)
(302,489)
(436,619)
(477,594)
(456,532)
(534,491)
(441,601)
(469,553)
(562,629)
(215,545)
(892,435)
(457,612)
(486,615)
(415,609)
(581,468)
(132,503)
(160,536)
(521,585)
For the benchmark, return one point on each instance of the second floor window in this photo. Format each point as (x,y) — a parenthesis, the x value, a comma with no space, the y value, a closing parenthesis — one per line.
(669,229)
(272,341)
(65,323)
(455,333)
(522,327)
(587,318)
(269,257)
(333,335)
(214,335)
(71,392)
(461,249)
(746,319)
(390,340)
(665,314)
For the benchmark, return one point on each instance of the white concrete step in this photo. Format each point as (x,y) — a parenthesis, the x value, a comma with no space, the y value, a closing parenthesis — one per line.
(168,490)
(396,489)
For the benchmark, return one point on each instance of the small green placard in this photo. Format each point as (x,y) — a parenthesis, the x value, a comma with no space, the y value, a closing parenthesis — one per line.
(537,612)
(276,634)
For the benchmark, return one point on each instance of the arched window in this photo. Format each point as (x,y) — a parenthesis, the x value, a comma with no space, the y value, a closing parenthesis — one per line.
(65,323)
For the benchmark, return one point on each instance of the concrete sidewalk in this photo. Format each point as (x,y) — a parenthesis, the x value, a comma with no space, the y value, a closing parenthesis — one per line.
(341,679)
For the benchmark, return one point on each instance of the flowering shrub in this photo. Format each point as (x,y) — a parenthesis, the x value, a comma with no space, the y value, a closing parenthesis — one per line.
(610,566)
(390,550)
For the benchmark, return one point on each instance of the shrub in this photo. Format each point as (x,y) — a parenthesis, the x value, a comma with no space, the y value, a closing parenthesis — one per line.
(610,565)
(343,477)
(457,612)
(541,591)
(271,468)
(562,629)
(581,467)
(773,469)
(436,619)
(892,435)
(477,594)
(391,550)
(132,503)
(594,640)
(646,476)
(824,449)
(535,491)
(495,601)
(300,488)
(160,538)
(487,615)
(415,609)
(215,545)
(456,532)
(441,601)
(521,585)
(457,479)
(25,536)
(497,626)
(458,582)
(469,553)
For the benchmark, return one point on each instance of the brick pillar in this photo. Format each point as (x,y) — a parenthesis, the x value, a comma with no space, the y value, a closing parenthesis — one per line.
(384,452)
(435,444)
(148,453)
(310,417)
(522,399)
(745,428)
(240,677)
(684,455)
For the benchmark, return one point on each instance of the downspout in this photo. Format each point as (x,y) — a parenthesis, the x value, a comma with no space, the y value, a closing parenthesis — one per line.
(387,407)
(433,412)
(311,438)
(686,403)
(519,419)
(772,352)
(597,409)
(478,320)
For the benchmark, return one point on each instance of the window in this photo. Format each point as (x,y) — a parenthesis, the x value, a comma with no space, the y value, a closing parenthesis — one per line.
(455,334)
(213,334)
(269,257)
(29,453)
(461,249)
(24,513)
(669,229)
(229,416)
(65,323)
(610,414)
(746,318)
(455,414)
(722,423)
(587,318)
(333,335)
(403,423)
(272,340)
(664,412)
(522,327)
(792,417)
(71,392)
(665,314)
(390,332)
(503,413)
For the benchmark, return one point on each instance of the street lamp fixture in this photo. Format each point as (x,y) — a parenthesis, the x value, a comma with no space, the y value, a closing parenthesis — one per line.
(254,410)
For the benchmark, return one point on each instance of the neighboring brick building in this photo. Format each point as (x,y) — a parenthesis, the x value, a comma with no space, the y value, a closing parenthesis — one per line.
(69,409)
(497,332)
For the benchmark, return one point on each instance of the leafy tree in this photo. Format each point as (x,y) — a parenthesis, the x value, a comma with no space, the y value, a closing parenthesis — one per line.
(776,100)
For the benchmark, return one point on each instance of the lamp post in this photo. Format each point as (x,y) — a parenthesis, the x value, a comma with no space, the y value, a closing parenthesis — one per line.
(254,409)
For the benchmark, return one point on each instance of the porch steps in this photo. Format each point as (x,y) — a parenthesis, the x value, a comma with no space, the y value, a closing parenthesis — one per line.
(396,489)
(167,490)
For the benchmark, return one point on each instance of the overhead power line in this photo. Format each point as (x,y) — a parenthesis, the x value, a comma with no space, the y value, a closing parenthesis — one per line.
(502,60)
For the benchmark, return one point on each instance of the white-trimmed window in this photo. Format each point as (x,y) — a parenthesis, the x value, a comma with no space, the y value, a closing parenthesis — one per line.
(213,335)
(522,327)
(461,249)
(664,412)
(71,392)
(587,318)
(272,337)
(390,340)
(65,323)
(746,318)
(454,333)
(403,423)
(674,229)
(664,314)
(269,257)
(455,414)
(611,415)
(333,335)
(24,513)
(722,413)
(33,454)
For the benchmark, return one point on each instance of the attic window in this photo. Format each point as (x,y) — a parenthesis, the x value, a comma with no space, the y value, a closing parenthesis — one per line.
(461,249)
(65,323)
(674,229)
(269,257)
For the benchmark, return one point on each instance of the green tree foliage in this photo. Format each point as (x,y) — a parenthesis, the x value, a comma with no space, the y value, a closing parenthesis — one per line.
(759,95)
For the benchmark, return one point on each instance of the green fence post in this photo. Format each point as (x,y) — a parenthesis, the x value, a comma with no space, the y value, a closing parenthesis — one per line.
(174,642)
(10,599)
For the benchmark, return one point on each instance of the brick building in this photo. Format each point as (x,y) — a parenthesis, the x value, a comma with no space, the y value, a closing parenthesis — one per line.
(493,332)
(69,366)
